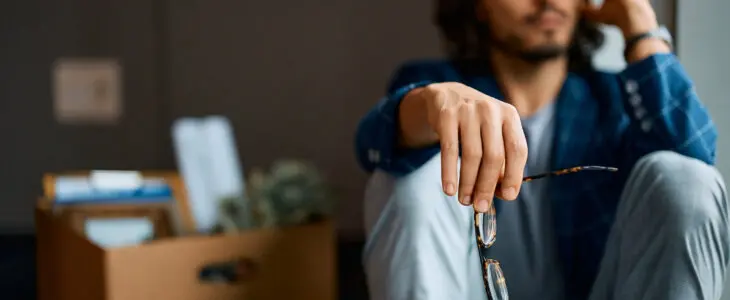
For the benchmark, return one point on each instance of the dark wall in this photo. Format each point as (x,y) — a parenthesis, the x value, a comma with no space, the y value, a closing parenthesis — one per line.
(36,32)
(293,76)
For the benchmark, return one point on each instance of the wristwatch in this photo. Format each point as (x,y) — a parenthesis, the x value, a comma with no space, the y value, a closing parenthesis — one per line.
(661,33)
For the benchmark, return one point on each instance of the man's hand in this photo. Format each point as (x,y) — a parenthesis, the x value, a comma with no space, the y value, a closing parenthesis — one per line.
(632,17)
(489,133)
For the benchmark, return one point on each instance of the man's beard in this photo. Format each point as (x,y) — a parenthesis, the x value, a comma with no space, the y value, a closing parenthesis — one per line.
(514,46)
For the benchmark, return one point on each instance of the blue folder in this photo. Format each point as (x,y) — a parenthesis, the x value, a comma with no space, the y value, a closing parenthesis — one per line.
(78,190)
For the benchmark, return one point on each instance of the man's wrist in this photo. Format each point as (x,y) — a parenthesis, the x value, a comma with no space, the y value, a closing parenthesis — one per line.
(645,48)
(633,29)
(641,20)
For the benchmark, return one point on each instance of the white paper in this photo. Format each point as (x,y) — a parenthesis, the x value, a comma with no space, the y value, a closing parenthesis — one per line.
(110,233)
(192,163)
(116,180)
(72,185)
(208,161)
(225,168)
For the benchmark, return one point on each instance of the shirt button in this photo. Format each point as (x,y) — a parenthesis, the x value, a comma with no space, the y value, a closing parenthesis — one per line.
(635,100)
(646,126)
(639,112)
(631,86)
(374,156)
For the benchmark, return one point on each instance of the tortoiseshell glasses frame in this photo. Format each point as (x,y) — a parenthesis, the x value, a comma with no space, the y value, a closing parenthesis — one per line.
(485,229)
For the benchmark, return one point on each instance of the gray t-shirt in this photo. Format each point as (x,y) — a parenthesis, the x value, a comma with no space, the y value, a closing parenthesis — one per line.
(526,245)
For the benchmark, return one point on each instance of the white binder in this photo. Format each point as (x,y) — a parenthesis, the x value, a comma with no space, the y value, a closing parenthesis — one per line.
(207,158)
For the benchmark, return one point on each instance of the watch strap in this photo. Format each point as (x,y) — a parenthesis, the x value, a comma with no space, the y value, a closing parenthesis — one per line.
(660,32)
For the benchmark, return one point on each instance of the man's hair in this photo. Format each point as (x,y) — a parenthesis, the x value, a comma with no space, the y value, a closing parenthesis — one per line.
(468,38)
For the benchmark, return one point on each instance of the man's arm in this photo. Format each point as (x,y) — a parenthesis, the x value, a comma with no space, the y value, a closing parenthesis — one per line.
(664,110)
(662,104)
(414,130)
(378,135)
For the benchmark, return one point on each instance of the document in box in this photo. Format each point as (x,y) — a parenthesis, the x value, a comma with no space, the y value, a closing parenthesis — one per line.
(207,157)
(108,186)
(111,233)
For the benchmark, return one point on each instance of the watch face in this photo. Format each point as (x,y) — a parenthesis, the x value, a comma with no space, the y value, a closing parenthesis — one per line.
(663,33)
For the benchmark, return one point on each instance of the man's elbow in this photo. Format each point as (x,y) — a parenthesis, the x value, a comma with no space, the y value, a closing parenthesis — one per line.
(701,145)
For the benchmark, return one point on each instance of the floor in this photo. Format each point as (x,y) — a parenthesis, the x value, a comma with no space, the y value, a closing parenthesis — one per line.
(17,269)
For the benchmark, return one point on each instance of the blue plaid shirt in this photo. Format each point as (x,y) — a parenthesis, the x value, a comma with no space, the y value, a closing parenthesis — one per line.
(601,119)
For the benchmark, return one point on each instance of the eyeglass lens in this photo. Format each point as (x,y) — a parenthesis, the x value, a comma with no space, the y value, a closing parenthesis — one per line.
(496,281)
(488,226)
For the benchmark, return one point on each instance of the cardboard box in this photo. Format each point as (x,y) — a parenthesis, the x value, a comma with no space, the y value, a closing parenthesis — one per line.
(285,263)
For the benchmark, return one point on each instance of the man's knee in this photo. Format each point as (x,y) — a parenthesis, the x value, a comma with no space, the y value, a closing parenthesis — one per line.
(418,238)
(417,198)
(686,191)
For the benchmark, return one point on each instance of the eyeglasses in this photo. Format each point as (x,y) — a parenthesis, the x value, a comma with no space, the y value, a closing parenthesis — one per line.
(485,228)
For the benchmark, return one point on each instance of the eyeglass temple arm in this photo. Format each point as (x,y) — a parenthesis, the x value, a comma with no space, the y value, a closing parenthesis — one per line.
(569,171)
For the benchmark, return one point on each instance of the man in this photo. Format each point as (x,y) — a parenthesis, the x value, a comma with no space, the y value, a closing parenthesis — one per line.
(451,135)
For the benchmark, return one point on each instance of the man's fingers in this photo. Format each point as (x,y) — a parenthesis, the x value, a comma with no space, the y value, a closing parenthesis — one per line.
(471,153)
(593,13)
(515,149)
(491,164)
(449,135)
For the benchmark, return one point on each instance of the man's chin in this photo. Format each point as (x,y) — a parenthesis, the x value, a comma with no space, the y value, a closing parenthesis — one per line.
(543,53)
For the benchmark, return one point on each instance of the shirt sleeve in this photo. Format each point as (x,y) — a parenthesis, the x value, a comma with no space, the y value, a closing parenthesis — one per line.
(376,137)
(664,111)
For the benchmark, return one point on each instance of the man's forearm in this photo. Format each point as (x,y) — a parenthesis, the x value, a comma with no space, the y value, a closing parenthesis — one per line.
(642,19)
(413,128)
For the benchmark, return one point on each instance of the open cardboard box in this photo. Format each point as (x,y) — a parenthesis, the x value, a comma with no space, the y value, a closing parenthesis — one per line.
(284,263)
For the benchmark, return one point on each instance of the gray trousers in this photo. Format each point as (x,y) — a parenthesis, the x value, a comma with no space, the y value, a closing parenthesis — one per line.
(670,240)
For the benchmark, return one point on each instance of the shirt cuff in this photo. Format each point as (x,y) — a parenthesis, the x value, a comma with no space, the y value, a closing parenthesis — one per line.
(649,86)
(385,154)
